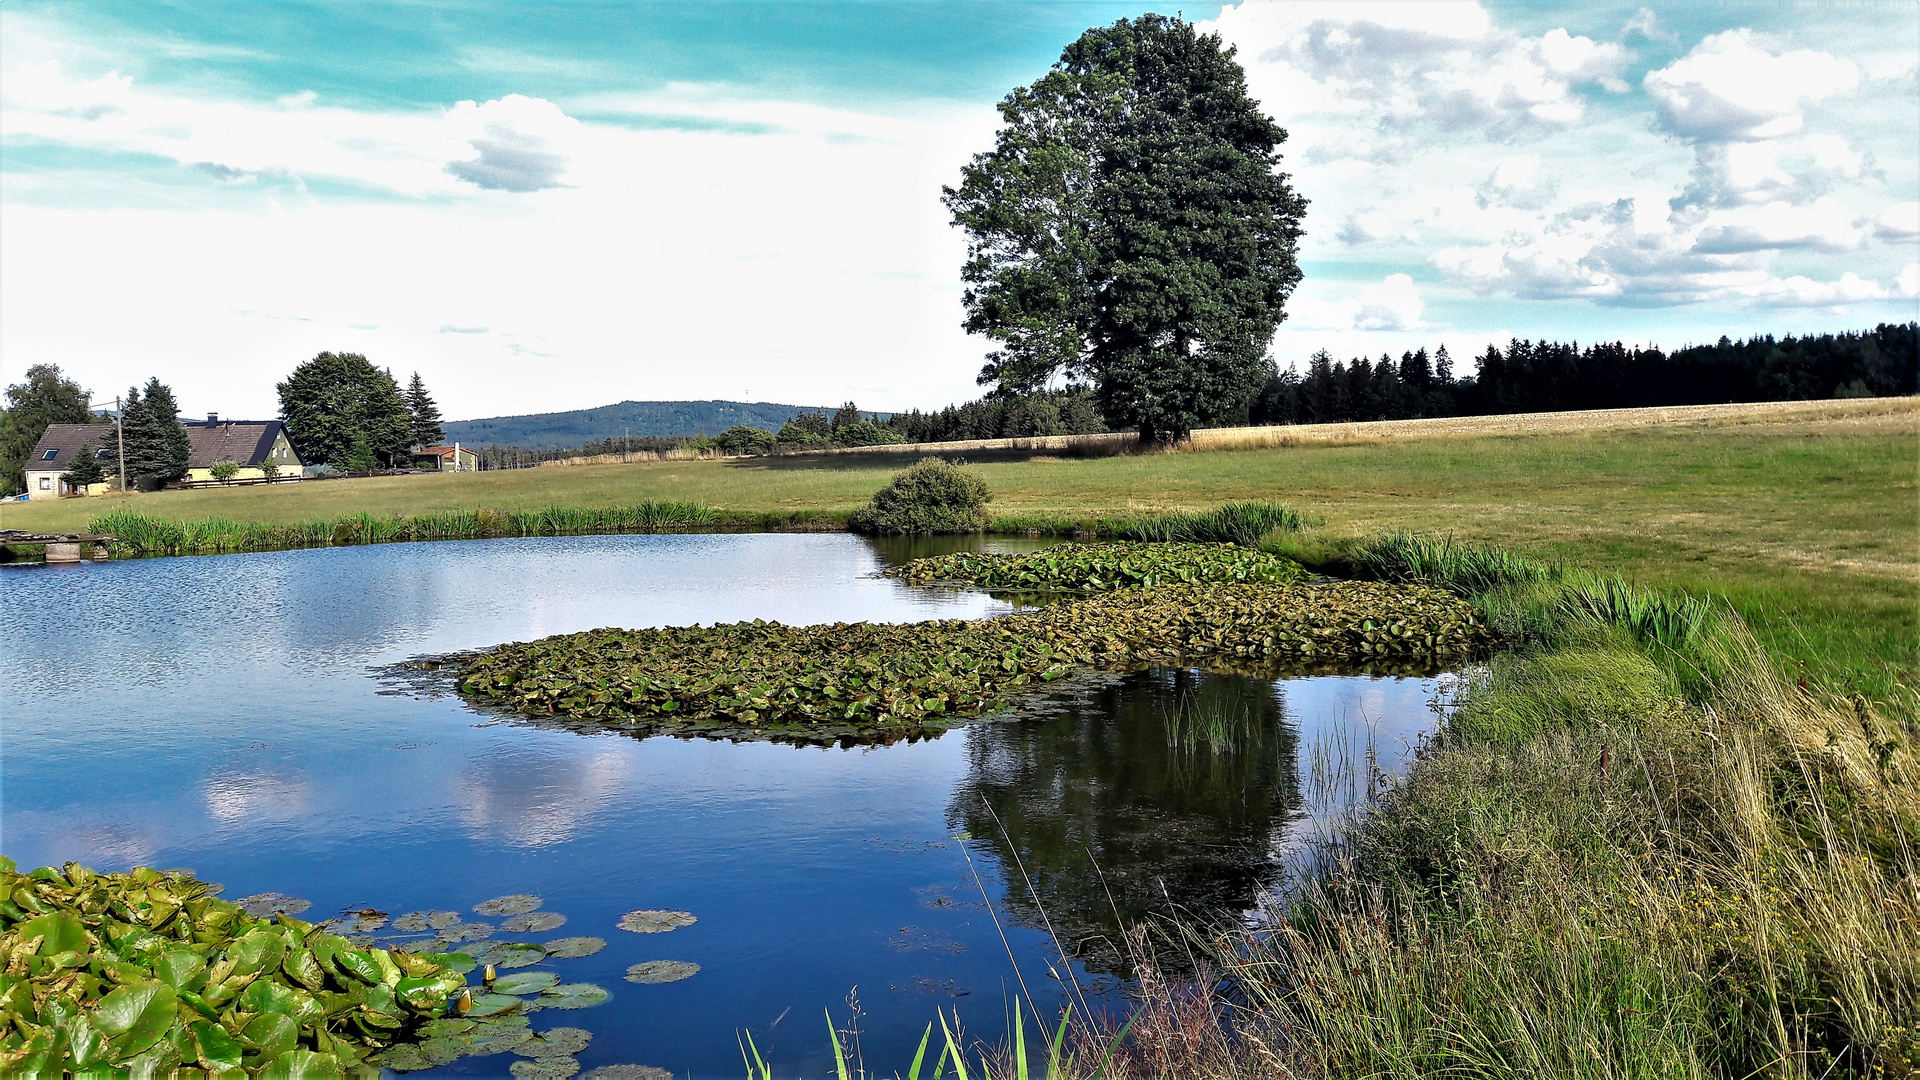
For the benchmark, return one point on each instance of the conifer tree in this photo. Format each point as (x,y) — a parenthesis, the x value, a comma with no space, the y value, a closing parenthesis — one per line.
(423,414)
(85,470)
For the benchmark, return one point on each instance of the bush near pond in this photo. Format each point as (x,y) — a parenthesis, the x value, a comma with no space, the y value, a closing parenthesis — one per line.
(884,677)
(934,496)
(1101,567)
(145,971)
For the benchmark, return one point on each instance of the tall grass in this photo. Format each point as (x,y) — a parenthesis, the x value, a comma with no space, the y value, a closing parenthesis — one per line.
(1245,523)
(138,534)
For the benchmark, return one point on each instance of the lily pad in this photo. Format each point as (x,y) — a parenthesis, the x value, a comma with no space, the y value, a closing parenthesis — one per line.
(574,996)
(515,904)
(556,1042)
(459,963)
(405,1058)
(627,1072)
(656,920)
(553,1068)
(569,948)
(465,931)
(493,1005)
(533,922)
(662,971)
(513,954)
(440,920)
(525,982)
(413,922)
(264,904)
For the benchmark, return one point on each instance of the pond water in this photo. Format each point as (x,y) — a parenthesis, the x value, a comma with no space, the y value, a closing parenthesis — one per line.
(228,714)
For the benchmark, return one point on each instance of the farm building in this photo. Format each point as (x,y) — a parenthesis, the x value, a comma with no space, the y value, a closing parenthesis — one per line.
(251,445)
(446,459)
(56,452)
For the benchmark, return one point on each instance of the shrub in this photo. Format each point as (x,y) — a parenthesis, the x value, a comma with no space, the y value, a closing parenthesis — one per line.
(225,470)
(866,433)
(269,470)
(741,440)
(933,496)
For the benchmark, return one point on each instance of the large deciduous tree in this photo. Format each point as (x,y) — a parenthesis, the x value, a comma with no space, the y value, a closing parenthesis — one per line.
(1131,227)
(44,398)
(334,399)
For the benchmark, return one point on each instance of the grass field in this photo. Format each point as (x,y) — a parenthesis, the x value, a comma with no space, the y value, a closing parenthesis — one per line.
(1808,521)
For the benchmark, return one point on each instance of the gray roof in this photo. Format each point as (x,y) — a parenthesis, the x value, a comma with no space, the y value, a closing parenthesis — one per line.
(65,440)
(243,442)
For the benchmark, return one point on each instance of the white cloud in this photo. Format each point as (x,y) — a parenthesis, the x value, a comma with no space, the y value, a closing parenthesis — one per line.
(518,143)
(1393,304)
(1901,221)
(1825,224)
(1732,87)
(1909,280)
(1517,182)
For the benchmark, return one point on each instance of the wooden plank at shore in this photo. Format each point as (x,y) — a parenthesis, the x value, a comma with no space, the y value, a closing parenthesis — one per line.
(17,536)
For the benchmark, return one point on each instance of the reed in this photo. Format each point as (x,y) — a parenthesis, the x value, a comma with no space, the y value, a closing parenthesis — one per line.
(1245,523)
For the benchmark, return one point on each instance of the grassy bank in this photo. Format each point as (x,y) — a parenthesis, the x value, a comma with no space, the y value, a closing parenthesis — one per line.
(1635,851)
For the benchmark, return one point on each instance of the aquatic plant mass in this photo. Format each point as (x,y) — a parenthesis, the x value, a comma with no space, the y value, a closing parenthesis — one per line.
(149,972)
(1101,567)
(776,680)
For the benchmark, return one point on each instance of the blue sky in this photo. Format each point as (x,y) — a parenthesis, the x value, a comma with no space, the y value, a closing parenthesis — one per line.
(555,206)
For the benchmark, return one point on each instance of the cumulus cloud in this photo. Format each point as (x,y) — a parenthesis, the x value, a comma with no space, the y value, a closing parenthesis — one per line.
(1517,182)
(1901,221)
(1731,86)
(517,143)
(1825,224)
(1393,304)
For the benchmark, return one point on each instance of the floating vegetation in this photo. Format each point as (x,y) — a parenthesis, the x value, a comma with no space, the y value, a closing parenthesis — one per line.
(465,931)
(146,972)
(552,1068)
(813,682)
(557,1042)
(262,905)
(416,921)
(662,971)
(574,996)
(656,921)
(1101,567)
(627,1072)
(534,922)
(525,982)
(511,954)
(517,904)
(568,948)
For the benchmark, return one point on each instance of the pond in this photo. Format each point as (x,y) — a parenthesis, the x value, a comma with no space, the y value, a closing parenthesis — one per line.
(229,714)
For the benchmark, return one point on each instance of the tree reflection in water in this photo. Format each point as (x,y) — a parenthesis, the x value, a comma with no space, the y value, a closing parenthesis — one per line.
(1166,787)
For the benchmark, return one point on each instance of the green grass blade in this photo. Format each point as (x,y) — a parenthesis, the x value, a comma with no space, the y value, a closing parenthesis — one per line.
(1056,1068)
(839,1057)
(920,1055)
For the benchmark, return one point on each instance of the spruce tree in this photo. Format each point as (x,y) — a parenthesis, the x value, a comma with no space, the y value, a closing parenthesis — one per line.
(157,447)
(85,470)
(334,399)
(424,414)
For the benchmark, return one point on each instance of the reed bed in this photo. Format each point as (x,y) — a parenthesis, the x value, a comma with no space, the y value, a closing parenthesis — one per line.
(1245,523)
(140,534)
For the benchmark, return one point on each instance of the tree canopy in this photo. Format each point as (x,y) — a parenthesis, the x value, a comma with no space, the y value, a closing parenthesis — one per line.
(423,414)
(156,446)
(336,399)
(1130,227)
(43,398)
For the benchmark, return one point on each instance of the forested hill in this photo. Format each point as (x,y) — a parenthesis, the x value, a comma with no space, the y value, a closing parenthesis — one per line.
(661,419)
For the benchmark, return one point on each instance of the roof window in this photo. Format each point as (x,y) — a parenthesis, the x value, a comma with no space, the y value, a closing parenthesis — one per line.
(48,456)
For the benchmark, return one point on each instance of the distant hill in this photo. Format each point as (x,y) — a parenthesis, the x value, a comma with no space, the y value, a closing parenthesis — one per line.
(664,419)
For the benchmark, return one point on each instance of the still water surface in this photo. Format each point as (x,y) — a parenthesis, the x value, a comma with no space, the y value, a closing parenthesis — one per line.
(226,714)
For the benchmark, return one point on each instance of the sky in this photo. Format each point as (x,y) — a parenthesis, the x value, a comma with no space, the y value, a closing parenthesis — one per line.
(546,207)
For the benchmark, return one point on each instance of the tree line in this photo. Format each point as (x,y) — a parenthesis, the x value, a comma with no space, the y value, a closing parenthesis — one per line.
(343,412)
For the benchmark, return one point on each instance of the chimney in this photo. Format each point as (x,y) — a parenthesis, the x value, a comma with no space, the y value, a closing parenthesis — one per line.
(212,419)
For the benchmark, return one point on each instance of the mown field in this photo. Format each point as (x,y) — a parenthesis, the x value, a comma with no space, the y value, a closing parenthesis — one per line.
(1808,521)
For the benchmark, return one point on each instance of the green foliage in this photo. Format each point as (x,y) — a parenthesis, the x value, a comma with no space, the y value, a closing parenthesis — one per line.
(44,398)
(866,433)
(269,469)
(1102,567)
(822,682)
(1468,569)
(1131,227)
(225,470)
(741,440)
(157,447)
(934,496)
(149,973)
(139,534)
(335,402)
(423,414)
(1247,523)
(86,468)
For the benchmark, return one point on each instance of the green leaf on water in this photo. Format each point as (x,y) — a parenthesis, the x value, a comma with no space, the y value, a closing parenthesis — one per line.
(256,951)
(556,1042)
(627,1072)
(662,971)
(514,904)
(213,1048)
(266,996)
(553,1068)
(86,1045)
(568,948)
(533,922)
(574,996)
(525,982)
(272,1034)
(177,967)
(134,1017)
(302,1065)
(413,922)
(58,932)
(493,1004)
(655,920)
(515,954)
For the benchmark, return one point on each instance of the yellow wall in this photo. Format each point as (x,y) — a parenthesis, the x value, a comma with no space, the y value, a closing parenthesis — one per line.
(201,475)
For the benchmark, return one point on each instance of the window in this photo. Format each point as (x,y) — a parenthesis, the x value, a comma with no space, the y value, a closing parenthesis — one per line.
(48,456)
(46,484)
(102,454)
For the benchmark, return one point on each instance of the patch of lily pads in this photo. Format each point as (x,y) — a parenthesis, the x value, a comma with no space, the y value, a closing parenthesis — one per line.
(662,971)
(656,920)
(884,680)
(149,973)
(1102,567)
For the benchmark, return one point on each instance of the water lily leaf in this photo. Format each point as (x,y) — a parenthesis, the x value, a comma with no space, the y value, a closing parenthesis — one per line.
(552,1068)
(662,971)
(265,904)
(525,982)
(359,965)
(178,968)
(444,1051)
(507,905)
(656,920)
(534,922)
(441,919)
(405,1057)
(492,1038)
(134,1017)
(213,1048)
(458,963)
(568,948)
(58,932)
(515,954)
(493,1004)
(556,1042)
(574,996)
(301,966)
(256,951)
(413,922)
(627,1072)
(448,1026)
(302,1065)
(266,996)
(459,931)
(86,1045)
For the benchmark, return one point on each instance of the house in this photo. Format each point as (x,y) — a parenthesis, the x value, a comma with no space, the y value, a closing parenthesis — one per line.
(446,459)
(251,445)
(56,452)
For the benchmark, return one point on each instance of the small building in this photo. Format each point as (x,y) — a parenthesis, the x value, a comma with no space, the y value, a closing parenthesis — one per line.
(251,445)
(56,452)
(446,459)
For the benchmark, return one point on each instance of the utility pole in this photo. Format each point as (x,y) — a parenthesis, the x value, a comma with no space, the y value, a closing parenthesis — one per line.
(120,443)
(626,446)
